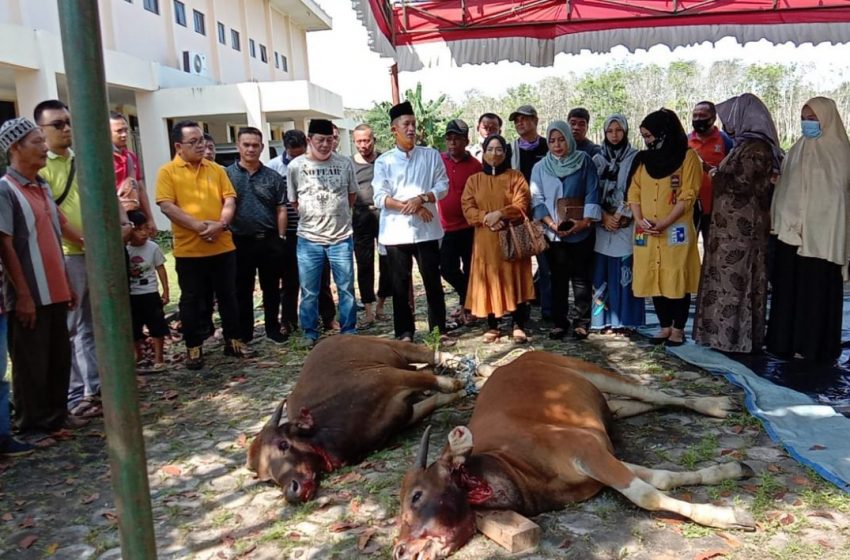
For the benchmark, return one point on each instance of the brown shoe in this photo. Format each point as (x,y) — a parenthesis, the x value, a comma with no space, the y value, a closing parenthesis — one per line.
(74,423)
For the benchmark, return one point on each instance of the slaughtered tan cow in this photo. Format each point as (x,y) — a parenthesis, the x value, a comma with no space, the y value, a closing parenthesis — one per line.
(353,394)
(538,440)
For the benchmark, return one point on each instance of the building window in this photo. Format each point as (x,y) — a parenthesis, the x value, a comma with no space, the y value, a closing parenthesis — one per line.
(180,13)
(276,59)
(283,63)
(152,6)
(200,24)
(263,54)
(221,33)
(252,48)
(234,40)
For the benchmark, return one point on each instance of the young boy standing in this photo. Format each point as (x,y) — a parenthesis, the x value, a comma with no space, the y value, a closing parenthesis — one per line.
(146,304)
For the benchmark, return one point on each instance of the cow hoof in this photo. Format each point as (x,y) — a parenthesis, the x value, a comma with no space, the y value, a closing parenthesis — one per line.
(716,407)
(743,520)
(746,471)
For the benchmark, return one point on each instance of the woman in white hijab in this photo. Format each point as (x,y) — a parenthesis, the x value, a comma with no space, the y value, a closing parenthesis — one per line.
(809,216)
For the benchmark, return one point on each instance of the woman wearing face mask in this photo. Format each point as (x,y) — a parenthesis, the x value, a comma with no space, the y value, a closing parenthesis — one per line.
(565,197)
(491,199)
(809,216)
(615,308)
(664,185)
(732,301)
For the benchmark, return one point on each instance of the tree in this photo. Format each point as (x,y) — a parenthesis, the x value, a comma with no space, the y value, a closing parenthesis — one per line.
(431,120)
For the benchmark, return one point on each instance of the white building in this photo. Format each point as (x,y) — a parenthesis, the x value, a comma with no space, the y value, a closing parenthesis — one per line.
(224,63)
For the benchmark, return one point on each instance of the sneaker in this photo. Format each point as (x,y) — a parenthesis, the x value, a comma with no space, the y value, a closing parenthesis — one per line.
(236,348)
(277,337)
(14,448)
(195,357)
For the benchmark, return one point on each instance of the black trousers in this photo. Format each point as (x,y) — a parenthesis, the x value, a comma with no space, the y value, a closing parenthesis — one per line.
(195,275)
(364,222)
(258,256)
(427,255)
(672,312)
(455,254)
(520,316)
(41,362)
(571,264)
(291,287)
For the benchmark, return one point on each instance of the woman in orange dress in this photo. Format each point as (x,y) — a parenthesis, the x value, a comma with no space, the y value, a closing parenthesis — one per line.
(492,199)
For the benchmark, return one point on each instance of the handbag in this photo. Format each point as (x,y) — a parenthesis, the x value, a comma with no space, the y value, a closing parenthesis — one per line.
(522,240)
(569,210)
(128,190)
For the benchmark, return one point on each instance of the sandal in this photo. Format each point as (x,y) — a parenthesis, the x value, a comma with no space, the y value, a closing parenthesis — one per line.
(557,333)
(580,333)
(519,336)
(87,408)
(491,336)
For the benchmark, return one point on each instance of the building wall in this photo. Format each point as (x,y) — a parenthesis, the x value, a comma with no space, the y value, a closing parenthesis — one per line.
(129,28)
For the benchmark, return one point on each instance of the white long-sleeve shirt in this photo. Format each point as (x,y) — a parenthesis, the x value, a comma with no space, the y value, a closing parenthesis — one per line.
(403,176)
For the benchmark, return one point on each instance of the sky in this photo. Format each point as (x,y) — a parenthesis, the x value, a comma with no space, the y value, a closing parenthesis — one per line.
(341,61)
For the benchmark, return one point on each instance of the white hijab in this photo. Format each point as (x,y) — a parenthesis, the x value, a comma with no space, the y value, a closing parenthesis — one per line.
(811,205)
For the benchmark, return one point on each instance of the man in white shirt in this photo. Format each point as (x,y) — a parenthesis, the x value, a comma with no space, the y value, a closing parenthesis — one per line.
(408,181)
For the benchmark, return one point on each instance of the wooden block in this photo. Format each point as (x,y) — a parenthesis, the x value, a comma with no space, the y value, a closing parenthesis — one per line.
(508,529)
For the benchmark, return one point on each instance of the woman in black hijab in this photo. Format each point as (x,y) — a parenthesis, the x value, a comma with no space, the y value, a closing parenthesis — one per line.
(491,199)
(666,178)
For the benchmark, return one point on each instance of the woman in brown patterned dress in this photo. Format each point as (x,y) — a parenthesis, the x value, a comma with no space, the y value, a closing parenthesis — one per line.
(732,299)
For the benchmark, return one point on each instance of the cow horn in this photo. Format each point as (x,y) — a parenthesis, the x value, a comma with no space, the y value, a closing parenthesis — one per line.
(422,458)
(274,421)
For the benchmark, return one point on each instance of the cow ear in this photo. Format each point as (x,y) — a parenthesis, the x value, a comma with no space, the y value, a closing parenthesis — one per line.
(460,445)
(305,424)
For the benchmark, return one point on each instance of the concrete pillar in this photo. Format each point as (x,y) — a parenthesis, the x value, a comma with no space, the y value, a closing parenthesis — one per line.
(154,148)
(34,86)
(254,114)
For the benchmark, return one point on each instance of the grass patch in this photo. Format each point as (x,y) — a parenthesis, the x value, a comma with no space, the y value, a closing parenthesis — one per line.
(705,450)
(764,495)
(694,531)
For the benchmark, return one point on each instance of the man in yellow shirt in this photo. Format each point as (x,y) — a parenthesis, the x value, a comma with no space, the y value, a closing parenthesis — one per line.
(198,198)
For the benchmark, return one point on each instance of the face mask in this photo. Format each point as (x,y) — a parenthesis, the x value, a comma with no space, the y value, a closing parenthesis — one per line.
(811,129)
(701,125)
(494,160)
(655,144)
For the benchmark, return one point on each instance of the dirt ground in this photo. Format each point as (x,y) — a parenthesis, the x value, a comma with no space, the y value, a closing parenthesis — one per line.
(58,502)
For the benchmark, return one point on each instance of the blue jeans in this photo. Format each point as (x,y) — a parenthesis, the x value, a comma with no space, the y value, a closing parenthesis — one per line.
(5,426)
(311,261)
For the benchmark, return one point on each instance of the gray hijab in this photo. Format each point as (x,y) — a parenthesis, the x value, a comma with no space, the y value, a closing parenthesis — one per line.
(746,117)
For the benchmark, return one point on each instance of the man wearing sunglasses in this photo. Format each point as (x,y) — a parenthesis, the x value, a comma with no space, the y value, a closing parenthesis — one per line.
(60,172)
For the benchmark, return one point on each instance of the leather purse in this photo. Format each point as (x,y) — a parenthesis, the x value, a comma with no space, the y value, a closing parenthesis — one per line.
(569,210)
(522,240)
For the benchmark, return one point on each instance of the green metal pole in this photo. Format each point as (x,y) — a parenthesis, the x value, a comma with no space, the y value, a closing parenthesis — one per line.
(83,53)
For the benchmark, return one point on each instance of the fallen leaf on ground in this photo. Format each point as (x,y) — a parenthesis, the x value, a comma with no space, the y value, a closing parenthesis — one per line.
(89,499)
(7,517)
(824,514)
(27,541)
(172,470)
(169,395)
(732,541)
(366,544)
(566,543)
(774,468)
(825,544)
(242,440)
(710,554)
(801,481)
(341,526)
(349,477)
(51,548)
(817,447)
(27,523)
(110,516)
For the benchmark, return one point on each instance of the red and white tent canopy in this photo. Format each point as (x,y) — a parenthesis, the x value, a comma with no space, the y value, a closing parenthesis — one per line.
(428,33)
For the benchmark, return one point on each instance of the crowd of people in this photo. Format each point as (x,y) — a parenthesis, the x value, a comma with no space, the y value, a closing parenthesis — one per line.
(621,225)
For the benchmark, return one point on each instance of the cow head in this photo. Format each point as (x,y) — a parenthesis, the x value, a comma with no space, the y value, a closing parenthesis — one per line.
(436,518)
(282,453)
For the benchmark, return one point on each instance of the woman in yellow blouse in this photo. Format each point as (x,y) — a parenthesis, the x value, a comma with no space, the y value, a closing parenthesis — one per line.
(665,183)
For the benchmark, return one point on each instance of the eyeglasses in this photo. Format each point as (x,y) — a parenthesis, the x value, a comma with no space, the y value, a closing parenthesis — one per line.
(194,142)
(59,125)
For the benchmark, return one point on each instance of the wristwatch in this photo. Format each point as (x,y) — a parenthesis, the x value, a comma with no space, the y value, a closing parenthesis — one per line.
(225,226)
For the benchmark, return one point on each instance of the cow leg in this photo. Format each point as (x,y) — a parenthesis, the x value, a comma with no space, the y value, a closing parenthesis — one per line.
(426,406)
(718,407)
(624,408)
(597,462)
(665,480)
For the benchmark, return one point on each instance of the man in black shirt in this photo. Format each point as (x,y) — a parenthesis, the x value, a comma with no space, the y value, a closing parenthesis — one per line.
(259,231)
(579,119)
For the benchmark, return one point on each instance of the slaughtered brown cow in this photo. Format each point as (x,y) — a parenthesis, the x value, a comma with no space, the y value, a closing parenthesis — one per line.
(538,440)
(353,393)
